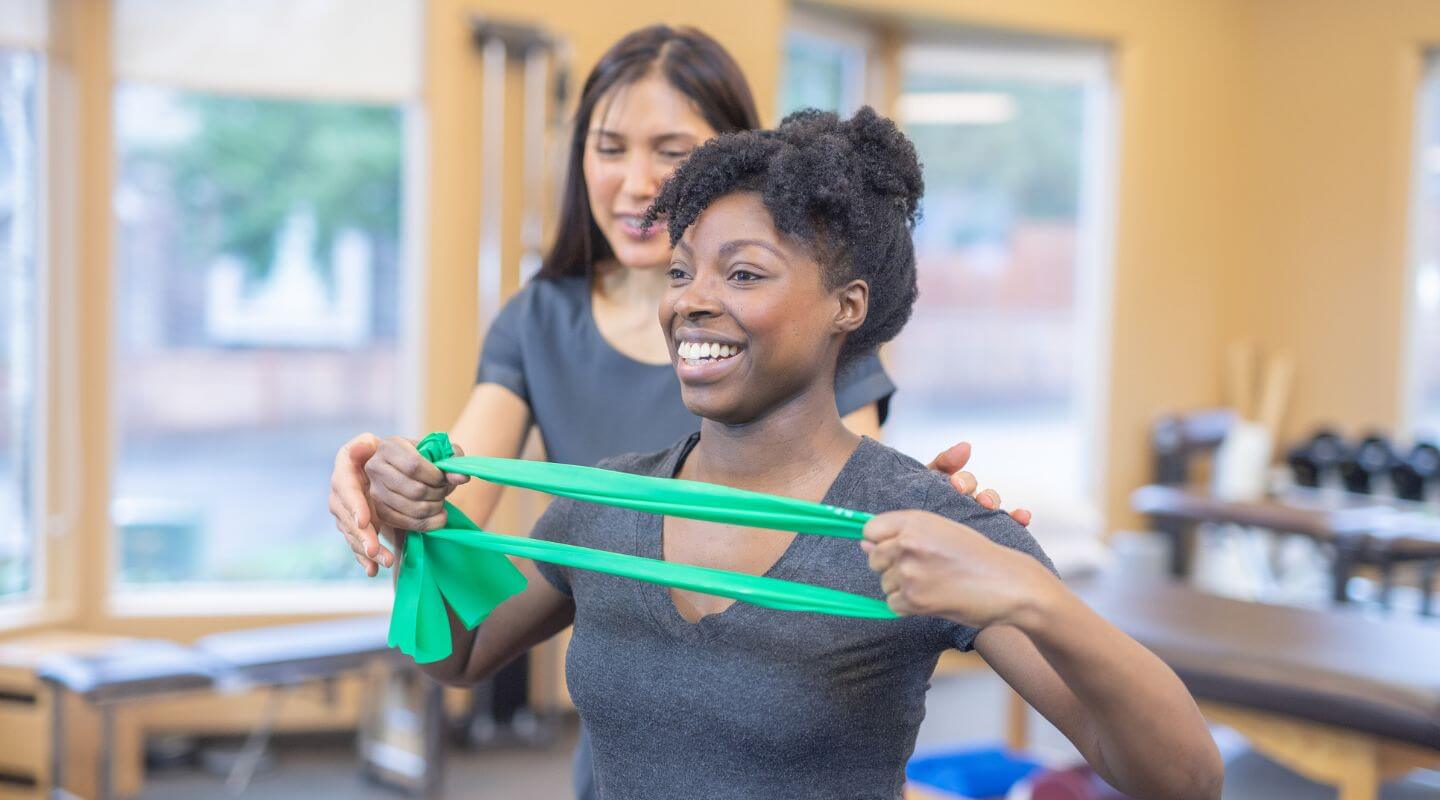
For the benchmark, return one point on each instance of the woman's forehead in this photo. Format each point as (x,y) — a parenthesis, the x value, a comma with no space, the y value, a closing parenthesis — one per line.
(741,217)
(733,215)
(646,108)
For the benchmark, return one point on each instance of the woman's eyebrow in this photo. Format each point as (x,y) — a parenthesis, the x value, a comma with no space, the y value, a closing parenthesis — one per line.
(731,246)
(674,136)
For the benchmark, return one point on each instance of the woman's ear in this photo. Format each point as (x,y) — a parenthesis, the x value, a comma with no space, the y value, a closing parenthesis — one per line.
(854,300)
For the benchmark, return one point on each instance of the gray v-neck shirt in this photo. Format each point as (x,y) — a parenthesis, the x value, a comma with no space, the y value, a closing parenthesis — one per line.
(589,400)
(752,702)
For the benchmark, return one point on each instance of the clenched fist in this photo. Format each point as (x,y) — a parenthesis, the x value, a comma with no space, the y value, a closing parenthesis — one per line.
(933,566)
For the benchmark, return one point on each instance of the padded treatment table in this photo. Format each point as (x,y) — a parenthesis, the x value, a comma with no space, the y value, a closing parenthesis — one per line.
(128,670)
(1340,697)
(263,657)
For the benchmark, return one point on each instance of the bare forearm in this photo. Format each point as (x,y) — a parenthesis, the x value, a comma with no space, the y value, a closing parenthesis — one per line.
(1147,733)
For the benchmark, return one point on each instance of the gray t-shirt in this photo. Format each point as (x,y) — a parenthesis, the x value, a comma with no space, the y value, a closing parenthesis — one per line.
(752,702)
(589,400)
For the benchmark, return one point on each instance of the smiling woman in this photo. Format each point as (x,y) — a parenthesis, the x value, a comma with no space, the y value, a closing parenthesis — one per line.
(792,255)
(576,353)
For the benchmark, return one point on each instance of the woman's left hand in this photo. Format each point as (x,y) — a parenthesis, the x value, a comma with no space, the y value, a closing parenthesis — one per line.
(932,566)
(952,463)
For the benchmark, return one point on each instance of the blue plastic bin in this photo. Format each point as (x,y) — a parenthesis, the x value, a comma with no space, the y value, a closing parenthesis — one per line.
(978,772)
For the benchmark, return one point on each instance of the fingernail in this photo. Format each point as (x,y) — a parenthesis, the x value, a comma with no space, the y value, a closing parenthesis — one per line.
(369,550)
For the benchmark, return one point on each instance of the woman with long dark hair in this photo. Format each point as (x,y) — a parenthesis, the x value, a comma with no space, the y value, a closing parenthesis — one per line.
(576,352)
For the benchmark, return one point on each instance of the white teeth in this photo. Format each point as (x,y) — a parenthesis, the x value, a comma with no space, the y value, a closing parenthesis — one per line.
(694,351)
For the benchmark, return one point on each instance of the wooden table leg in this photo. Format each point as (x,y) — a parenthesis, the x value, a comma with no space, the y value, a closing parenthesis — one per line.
(1347,760)
(1017,721)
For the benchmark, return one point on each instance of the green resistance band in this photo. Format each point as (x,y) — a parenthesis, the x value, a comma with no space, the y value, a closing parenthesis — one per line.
(466,567)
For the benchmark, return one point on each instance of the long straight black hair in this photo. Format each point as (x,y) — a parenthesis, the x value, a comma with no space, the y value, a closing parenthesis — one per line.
(694,64)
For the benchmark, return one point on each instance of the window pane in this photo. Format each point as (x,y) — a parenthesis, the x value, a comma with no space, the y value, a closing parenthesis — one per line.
(19,203)
(821,73)
(257,317)
(1425,313)
(996,350)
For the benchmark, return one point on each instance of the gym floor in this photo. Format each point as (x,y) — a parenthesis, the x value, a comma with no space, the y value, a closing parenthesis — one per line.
(967,708)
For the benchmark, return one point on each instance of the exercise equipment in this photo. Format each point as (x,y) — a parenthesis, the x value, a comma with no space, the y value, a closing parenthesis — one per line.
(465,567)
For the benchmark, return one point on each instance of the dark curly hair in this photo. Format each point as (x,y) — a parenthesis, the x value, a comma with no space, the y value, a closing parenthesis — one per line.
(848,189)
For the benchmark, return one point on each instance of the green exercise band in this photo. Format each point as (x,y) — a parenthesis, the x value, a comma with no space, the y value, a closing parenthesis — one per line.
(466,567)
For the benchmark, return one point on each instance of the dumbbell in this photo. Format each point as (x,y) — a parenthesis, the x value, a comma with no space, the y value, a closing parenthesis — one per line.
(1410,475)
(1313,459)
(1374,456)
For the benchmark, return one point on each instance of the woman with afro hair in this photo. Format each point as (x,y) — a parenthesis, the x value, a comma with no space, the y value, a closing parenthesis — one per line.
(792,257)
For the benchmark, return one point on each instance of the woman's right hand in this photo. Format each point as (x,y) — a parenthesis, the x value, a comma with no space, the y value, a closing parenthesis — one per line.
(405,491)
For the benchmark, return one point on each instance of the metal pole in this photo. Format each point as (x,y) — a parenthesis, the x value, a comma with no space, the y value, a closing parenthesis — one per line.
(492,182)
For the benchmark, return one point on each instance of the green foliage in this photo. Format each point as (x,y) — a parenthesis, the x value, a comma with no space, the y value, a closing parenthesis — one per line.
(252,162)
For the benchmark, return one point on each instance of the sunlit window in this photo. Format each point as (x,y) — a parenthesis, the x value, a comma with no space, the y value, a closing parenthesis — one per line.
(257,326)
(825,65)
(19,322)
(1005,348)
(1424,367)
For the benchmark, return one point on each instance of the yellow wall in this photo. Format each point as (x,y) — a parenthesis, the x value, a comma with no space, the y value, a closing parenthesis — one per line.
(1327,114)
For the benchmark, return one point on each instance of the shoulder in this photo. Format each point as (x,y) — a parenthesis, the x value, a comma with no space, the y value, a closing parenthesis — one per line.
(886,479)
(542,300)
(891,481)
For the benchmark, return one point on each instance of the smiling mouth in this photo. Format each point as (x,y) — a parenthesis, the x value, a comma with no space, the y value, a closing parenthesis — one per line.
(697,353)
(634,225)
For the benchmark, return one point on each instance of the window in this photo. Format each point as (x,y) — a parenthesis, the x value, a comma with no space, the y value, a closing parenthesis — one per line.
(20,315)
(1006,346)
(825,65)
(264,280)
(1423,395)
(257,326)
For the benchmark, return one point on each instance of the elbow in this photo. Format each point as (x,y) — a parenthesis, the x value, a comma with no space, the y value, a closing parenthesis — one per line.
(1199,777)
(1210,777)
(459,675)
(448,674)
(1202,779)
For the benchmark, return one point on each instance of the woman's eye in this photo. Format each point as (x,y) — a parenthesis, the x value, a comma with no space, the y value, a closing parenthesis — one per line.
(744,276)
(677,154)
(609,151)
(676,274)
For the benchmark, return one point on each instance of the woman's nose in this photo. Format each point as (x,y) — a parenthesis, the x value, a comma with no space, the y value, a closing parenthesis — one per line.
(697,300)
(640,182)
